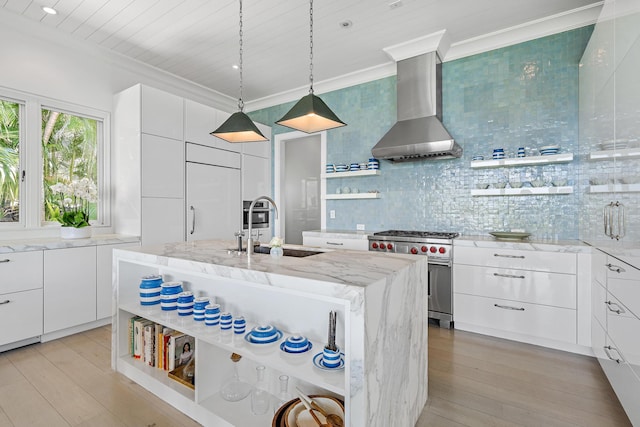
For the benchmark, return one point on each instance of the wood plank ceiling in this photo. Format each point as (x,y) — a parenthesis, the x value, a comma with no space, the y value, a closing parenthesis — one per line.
(198,39)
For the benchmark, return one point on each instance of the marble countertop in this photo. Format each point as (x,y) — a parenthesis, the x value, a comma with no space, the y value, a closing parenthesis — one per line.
(350,268)
(47,243)
(628,252)
(549,245)
(338,234)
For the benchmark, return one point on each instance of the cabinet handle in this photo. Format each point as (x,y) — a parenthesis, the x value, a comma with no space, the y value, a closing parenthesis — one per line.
(508,307)
(4,261)
(615,268)
(607,348)
(7,301)
(511,276)
(335,244)
(193,220)
(620,310)
(509,256)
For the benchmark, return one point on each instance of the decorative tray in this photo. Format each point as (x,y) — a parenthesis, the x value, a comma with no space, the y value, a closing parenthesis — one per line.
(509,235)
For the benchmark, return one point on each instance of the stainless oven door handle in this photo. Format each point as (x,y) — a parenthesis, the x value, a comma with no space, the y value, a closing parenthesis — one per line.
(509,256)
(335,243)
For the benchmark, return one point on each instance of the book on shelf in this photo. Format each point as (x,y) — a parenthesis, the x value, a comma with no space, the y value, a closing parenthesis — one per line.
(185,373)
(138,332)
(180,349)
(148,340)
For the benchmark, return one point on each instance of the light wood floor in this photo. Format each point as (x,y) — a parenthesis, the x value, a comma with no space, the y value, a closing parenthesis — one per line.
(473,381)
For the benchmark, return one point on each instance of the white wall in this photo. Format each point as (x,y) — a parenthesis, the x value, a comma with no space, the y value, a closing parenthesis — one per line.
(46,62)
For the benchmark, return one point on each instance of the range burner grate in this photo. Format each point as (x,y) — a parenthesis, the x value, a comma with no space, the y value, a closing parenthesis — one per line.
(417,234)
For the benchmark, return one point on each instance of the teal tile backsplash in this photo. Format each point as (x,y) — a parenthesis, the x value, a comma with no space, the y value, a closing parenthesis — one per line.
(524,95)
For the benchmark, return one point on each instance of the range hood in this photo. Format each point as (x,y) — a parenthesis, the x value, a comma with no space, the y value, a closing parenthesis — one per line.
(419,133)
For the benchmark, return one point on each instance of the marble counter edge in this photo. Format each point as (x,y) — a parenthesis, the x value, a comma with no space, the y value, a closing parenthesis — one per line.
(341,274)
(339,234)
(566,246)
(50,243)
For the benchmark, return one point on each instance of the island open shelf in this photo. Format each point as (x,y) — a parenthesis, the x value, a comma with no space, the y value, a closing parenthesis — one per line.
(295,295)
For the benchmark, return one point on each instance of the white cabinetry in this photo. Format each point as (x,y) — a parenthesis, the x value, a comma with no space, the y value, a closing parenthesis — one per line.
(200,121)
(214,206)
(526,295)
(148,148)
(69,287)
(20,296)
(334,242)
(615,326)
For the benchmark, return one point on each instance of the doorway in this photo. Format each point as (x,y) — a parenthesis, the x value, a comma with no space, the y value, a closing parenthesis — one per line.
(298,187)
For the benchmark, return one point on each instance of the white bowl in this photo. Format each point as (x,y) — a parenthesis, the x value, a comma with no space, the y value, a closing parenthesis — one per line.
(537,183)
(630,179)
(559,182)
(499,185)
(515,184)
(482,186)
(598,181)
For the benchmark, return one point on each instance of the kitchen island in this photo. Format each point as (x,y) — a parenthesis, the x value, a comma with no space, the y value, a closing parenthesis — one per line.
(382,327)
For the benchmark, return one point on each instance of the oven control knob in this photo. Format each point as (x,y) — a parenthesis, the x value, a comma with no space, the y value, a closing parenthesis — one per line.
(382,246)
(414,251)
(389,246)
(432,249)
(424,249)
(442,250)
(374,245)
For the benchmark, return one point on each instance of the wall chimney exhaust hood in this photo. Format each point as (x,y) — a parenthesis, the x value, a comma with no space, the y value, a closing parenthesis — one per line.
(419,133)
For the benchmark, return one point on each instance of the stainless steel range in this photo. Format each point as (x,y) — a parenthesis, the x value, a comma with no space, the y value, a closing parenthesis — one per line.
(439,248)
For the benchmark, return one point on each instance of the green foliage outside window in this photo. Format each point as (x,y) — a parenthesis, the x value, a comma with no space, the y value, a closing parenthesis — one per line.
(70,155)
(9,161)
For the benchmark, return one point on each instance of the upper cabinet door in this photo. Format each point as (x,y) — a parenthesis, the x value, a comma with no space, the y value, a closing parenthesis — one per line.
(261,148)
(162,113)
(200,121)
(162,167)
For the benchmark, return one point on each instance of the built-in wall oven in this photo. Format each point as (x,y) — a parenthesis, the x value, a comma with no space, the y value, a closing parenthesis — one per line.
(260,214)
(439,248)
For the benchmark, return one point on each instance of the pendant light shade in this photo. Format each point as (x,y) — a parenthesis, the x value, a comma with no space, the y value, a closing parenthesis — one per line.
(310,114)
(239,127)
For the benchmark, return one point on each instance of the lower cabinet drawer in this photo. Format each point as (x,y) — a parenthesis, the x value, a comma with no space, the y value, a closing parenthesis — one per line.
(337,243)
(558,290)
(20,271)
(625,384)
(517,317)
(20,316)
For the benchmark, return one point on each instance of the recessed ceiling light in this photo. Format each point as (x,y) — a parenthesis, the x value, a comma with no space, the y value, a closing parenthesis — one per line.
(49,10)
(235,66)
(346,24)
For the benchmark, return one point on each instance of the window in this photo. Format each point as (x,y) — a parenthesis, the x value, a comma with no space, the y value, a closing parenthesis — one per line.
(70,161)
(44,143)
(9,161)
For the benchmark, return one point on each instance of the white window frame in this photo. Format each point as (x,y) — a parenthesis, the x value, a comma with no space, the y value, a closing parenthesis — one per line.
(31,161)
(11,96)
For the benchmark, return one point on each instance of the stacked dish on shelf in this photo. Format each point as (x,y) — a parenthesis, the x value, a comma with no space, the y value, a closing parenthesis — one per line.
(549,150)
(614,144)
(294,413)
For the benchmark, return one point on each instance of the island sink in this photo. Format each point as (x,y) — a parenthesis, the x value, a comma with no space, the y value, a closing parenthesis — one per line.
(298,253)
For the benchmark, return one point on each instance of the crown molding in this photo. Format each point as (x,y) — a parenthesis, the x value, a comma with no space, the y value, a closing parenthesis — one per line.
(531,30)
(439,42)
(553,24)
(147,73)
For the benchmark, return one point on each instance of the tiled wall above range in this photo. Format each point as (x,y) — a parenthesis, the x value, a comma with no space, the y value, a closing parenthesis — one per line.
(524,95)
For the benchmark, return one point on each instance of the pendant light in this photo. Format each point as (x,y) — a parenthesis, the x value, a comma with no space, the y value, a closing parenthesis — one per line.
(310,114)
(239,127)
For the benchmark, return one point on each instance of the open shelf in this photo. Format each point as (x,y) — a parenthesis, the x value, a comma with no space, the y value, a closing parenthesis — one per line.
(349,174)
(627,153)
(528,191)
(297,365)
(523,161)
(351,196)
(615,188)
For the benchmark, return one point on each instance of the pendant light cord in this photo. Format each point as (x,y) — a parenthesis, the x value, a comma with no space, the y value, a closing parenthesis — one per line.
(311,46)
(240,101)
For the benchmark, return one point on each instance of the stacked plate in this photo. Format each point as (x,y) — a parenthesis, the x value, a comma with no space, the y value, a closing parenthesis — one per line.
(294,413)
(342,168)
(263,334)
(614,144)
(549,150)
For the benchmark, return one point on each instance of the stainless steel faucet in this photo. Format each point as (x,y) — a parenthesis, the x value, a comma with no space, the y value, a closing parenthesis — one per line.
(250,239)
